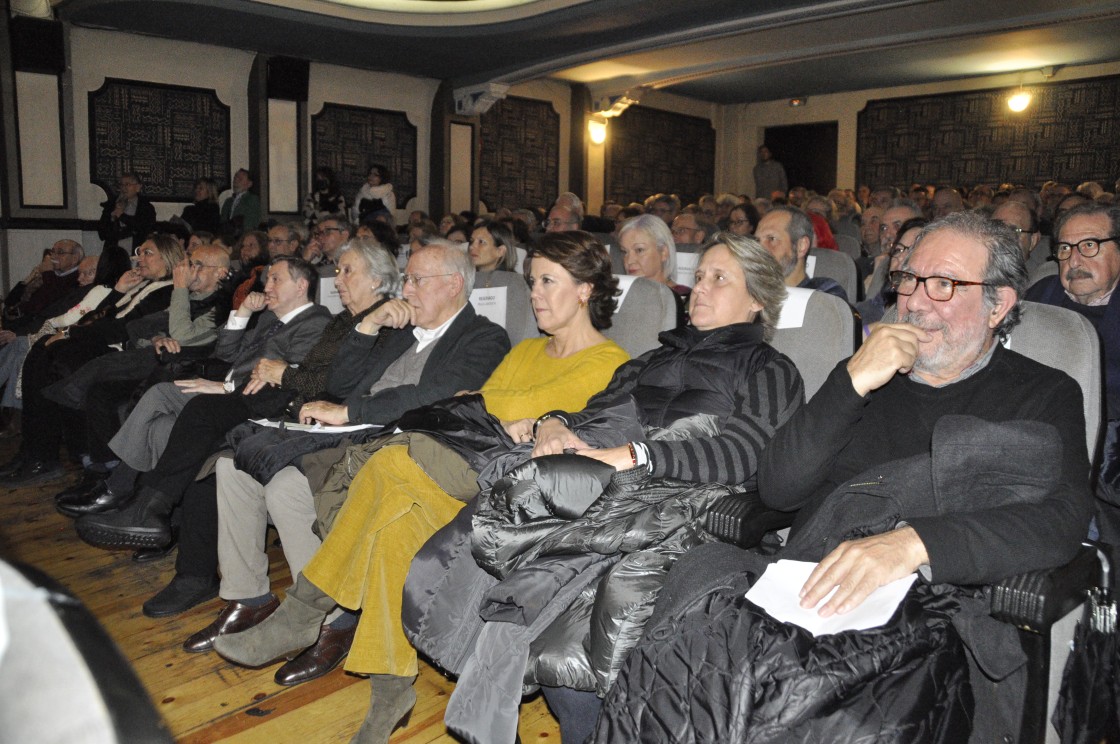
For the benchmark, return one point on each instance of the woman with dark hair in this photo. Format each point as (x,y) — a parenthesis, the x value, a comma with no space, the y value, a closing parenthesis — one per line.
(376,195)
(698,411)
(139,292)
(325,200)
(406,491)
(204,214)
(872,309)
(492,248)
(742,220)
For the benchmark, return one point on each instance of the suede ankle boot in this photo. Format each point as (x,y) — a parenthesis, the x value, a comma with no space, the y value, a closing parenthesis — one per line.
(293,627)
(391,701)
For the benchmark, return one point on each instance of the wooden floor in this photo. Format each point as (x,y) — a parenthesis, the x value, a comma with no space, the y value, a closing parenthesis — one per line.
(202,697)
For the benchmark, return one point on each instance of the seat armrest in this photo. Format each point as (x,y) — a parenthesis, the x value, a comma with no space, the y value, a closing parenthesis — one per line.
(742,519)
(1036,600)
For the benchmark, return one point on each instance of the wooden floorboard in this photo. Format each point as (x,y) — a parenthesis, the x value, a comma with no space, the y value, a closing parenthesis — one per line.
(202,698)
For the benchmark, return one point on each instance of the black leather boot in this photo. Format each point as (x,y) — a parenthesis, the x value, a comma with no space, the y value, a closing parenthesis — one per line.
(144,523)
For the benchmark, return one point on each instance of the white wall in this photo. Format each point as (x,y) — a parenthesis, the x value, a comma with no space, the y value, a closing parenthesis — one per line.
(746,123)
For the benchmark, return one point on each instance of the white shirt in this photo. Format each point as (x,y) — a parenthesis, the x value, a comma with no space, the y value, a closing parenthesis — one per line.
(425,337)
(236,323)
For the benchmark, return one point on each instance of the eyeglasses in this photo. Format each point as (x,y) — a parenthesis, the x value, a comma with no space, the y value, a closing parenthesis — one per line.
(278,241)
(1088,247)
(683,230)
(319,233)
(146,252)
(200,265)
(415,279)
(898,250)
(56,252)
(938,288)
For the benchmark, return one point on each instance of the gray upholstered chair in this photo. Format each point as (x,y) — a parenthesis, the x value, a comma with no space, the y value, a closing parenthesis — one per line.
(816,330)
(517,318)
(836,266)
(849,245)
(646,308)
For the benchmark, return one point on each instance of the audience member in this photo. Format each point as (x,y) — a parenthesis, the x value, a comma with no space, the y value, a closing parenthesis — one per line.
(288,329)
(649,250)
(396,503)
(204,214)
(938,375)
(376,195)
(769,175)
(787,234)
(128,218)
(326,198)
(1088,256)
(241,210)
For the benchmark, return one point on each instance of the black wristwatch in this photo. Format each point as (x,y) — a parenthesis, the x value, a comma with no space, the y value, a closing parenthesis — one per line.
(551,414)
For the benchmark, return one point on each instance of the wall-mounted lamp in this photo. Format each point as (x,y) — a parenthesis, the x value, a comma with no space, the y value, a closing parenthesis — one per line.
(1019,101)
(597,130)
(797,102)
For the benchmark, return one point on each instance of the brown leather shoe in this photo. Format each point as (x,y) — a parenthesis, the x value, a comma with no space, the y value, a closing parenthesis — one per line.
(234,618)
(327,653)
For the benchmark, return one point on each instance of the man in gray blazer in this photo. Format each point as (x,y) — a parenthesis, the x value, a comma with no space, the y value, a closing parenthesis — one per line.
(288,326)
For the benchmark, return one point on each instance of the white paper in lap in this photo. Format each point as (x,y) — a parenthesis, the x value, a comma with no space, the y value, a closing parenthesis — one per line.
(776,592)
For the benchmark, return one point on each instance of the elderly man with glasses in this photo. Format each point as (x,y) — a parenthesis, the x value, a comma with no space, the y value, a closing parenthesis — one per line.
(55,276)
(933,450)
(128,218)
(1087,248)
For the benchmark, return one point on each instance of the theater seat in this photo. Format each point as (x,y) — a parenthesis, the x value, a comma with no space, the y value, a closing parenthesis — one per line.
(645,309)
(503,297)
(836,266)
(816,330)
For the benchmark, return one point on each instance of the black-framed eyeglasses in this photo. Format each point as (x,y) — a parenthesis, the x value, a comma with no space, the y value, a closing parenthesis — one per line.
(319,233)
(938,288)
(1088,247)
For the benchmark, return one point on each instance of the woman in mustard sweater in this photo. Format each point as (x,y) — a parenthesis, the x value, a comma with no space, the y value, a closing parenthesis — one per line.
(394,505)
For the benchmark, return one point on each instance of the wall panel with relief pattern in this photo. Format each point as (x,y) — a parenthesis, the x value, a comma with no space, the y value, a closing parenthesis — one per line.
(348,139)
(519,163)
(652,151)
(170,135)
(1070,133)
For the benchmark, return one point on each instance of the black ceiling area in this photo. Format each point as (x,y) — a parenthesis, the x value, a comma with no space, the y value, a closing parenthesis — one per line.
(718,51)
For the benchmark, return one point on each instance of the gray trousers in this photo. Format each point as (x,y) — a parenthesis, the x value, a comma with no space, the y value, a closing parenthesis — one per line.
(143,436)
(244,506)
(12,355)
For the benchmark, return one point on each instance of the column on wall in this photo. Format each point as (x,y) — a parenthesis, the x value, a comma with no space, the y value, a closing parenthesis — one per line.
(277,130)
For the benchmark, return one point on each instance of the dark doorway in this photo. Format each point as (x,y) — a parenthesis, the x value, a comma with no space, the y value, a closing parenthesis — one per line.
(808,152)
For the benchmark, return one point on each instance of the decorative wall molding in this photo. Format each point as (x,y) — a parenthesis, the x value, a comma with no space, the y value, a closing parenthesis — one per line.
(650,151)
(1070,133)
(171,135)
(520,159)
(348,139)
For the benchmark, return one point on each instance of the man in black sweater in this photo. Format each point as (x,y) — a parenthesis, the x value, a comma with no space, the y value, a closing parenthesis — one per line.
(942,357)
(837,460)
